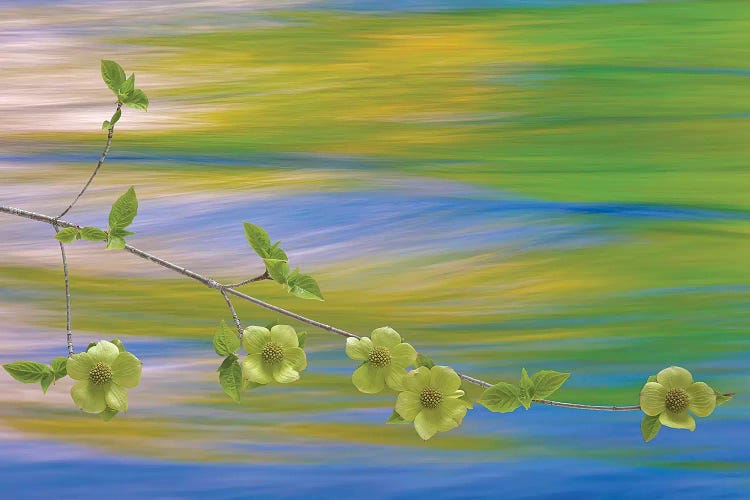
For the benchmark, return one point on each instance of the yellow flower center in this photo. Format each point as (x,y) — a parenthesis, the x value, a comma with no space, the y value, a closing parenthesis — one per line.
(272,353)
(430,398)
(100,374)
(380,357)
(677,400)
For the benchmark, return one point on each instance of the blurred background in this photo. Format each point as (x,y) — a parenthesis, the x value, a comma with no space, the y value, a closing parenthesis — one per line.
(543,184)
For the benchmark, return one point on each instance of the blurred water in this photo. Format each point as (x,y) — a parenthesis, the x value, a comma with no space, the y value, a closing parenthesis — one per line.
(560,188)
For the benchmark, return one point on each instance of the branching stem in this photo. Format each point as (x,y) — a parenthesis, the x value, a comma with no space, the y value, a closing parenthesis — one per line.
(225,291)
(67,296)
(264,276)
(231,309)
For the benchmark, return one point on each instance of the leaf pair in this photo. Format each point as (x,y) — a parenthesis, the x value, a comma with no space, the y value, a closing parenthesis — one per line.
(505,398)
(124,88)
(277,265)
(121,215)
(29,372)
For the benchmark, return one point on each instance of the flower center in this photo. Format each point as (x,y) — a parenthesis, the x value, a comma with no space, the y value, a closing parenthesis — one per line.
(677,400)
(430,398)
(100,374)
(380,357)
(272,353)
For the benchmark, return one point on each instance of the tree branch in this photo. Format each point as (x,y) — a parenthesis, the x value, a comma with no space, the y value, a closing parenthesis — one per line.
(98,166)
(231,309)
(332,329)
(264,276)
(67,296)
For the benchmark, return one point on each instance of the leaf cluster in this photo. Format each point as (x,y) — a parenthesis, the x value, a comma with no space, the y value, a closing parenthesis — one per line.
(505,398)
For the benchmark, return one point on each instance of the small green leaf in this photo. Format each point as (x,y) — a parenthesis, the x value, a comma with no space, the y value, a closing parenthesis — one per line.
(119,345)
(547,381)
(90,233)
(304,286)
(395,418)
(272,324)
(113,75)
(723,398)
(105,125)
(127,87)
(120,232)
(59,367)
(302,338)
(258,239)
(526,389)
(423,360)
(226,342)
(227,361)
(278,270)
(501,397)
(67,235)
(46,381)
(91,344)
(115,118)
(136,100)
(27,371)
(652,378)
(230,378)
(650,427)
(115,243)
(108,414)
(124,210)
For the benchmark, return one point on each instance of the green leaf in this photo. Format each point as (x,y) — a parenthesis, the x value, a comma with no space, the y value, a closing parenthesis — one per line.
(90,233)
(115,243)
(652,378)
(113,75)
(723,398)
(278,270)
(502,397)
(91,344)
(115,118)
(119,345)
(650,427)
(67,235)
(108,414)
(304,286)
(46,381)
(258,239)
(127,87)
(272,324)
(59,367)
(27,371)
(136,100)
(226,341)
(230,378)
(120,232)
(423,360)
(547,381)
(227,361)
(124,210)
(105,125)
(526,389)
(395,418)
(302,338)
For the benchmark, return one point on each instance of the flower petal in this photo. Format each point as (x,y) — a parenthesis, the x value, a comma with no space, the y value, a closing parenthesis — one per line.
(369,379)
(416,380)
(408,406)
(403,355)
(284,335)
(674,376)
(702,399)
(444,379)
(88,397)
(126,370)
(653,396)
(255,338)
(296,358)
(426,423)
(359,349)
(254,370)
(104,351)
(283,373)
(116,397)
(394,377)
(682,420)
(452,409)
(79,365)
(386,337)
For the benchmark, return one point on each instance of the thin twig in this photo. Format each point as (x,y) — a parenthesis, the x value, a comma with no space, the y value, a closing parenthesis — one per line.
(231,309)
(214,284)
(98,166)
(67,295)
(264,276)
